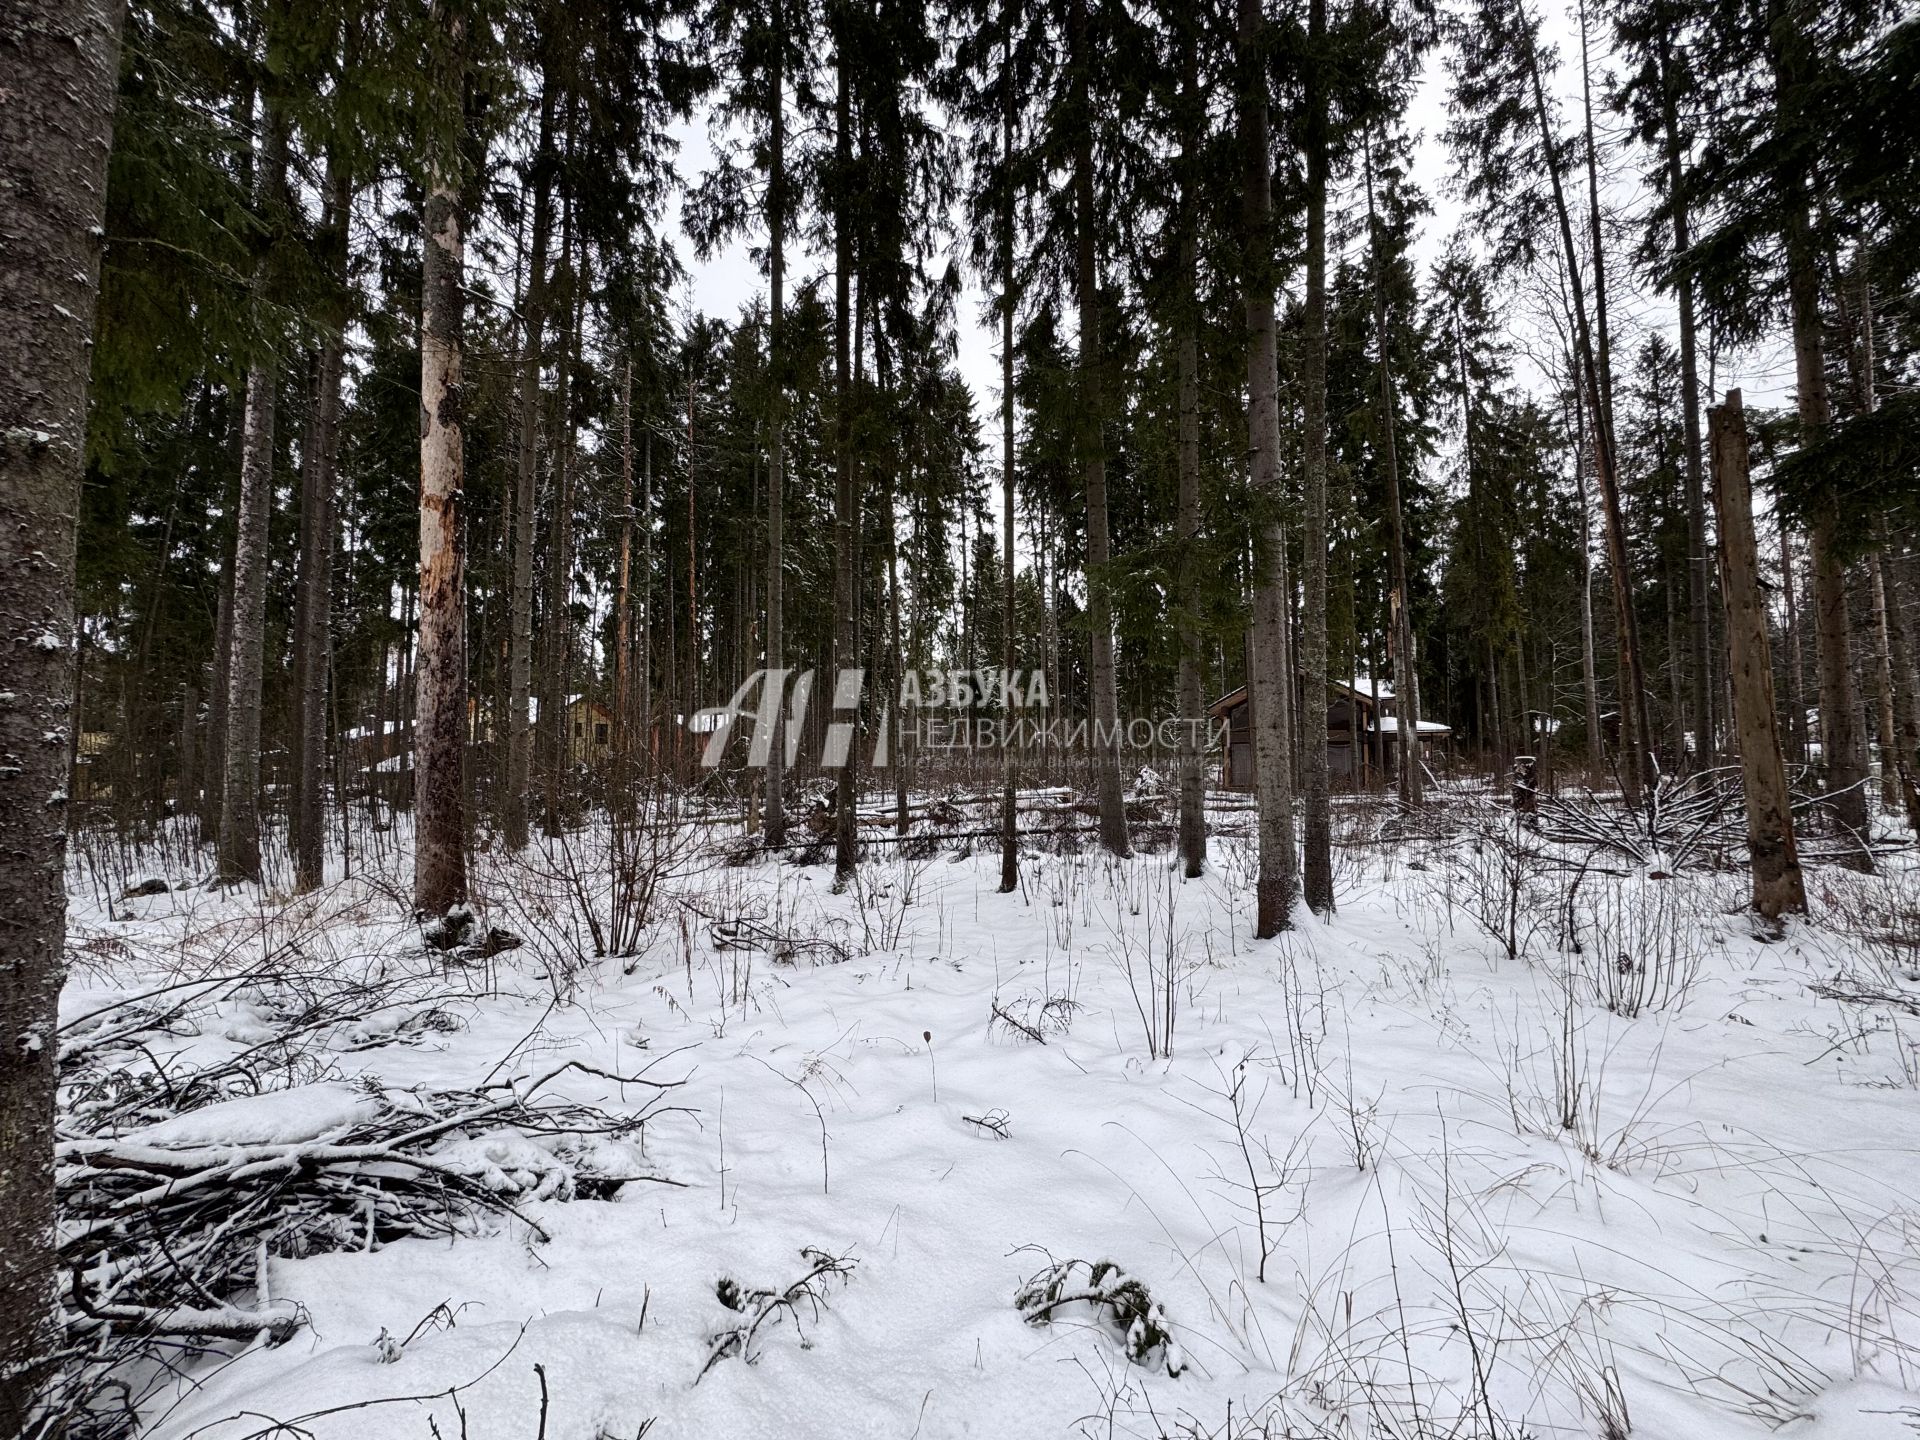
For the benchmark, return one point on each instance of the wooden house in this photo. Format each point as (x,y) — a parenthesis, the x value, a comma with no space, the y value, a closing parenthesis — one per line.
(1359,724)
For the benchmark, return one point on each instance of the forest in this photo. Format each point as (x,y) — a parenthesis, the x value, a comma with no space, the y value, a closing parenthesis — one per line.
(1286,636)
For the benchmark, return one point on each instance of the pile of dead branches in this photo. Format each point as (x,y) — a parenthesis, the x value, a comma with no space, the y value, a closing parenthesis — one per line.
(1691,821)
(1682,820)
(180,1185)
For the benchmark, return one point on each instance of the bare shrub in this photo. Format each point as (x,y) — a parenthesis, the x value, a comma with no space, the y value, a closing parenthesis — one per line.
(1634,943)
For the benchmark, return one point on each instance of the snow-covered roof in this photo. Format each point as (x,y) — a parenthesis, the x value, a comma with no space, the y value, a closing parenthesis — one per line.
(1390,724)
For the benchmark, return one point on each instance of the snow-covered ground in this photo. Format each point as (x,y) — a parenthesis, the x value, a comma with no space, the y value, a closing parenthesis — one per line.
(1380,1176)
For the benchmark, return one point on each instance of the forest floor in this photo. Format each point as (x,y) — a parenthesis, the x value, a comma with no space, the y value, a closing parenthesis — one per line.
(1417,1170)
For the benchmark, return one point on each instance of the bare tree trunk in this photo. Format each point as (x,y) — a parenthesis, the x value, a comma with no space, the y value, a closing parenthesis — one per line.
(213,764)
(440,708)
(1777,886)
(1009,828)
(1842,747)
(622,595)
(1699,560)
(644,659)
(845,636)
(1896,783)
(1318,868)
(1093,450)
(238,850)
(56,127)
(555,713)
(1796,660)
(896,670)
(776,803)
(1904,743)
(520,632)
(1408,778)
(1589,675)
(1270,687)
(315,607)
(185,785)
(1193,794)
(691,693)
(1635,726)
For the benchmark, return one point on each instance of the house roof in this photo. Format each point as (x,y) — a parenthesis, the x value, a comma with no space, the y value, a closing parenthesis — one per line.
(1360,688)
(1390,724)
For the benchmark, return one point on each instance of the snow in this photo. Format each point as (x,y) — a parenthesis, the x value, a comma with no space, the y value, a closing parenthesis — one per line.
(1464,1162)
(277,1117)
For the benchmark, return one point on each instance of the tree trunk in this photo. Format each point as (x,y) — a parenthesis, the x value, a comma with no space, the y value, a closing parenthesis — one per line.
(520,633)
(1904,745)
(623,593)
(776,803)
(643,661)
(440,707)
(1408,778)
(238,850)
(896,670)
(55,131)
(1842,748)
(845,636)
(1796,660)
(555,710)
(315,607)
(1093,449)
(1318,868)
(1635,726)
(1009,824)
(1699,561)
(1270,686)
(213,763)
(1777,884)
(1193,794)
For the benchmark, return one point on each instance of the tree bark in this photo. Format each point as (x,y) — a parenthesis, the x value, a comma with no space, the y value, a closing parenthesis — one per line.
(1842,746)
(1009,822)
(238,849)
(1270,683)
(623,594)
(315,606)
(1904,744)
(1093,447)
(213,764)
(1193,794)
(555,708)
(1699,560)
(56,127)
(1408,779)
(440,707)
(776,803)
(520,633)
(1801,747)
(1318,868)
(1777,886)
(845,635)
(1635,726)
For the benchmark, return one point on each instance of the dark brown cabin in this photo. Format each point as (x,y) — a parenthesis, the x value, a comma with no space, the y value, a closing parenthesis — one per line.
(1360,723)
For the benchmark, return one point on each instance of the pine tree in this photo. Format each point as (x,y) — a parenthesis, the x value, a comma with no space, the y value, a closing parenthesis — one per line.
(239,836)
(55,132)
(1271,667)
(440,716)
